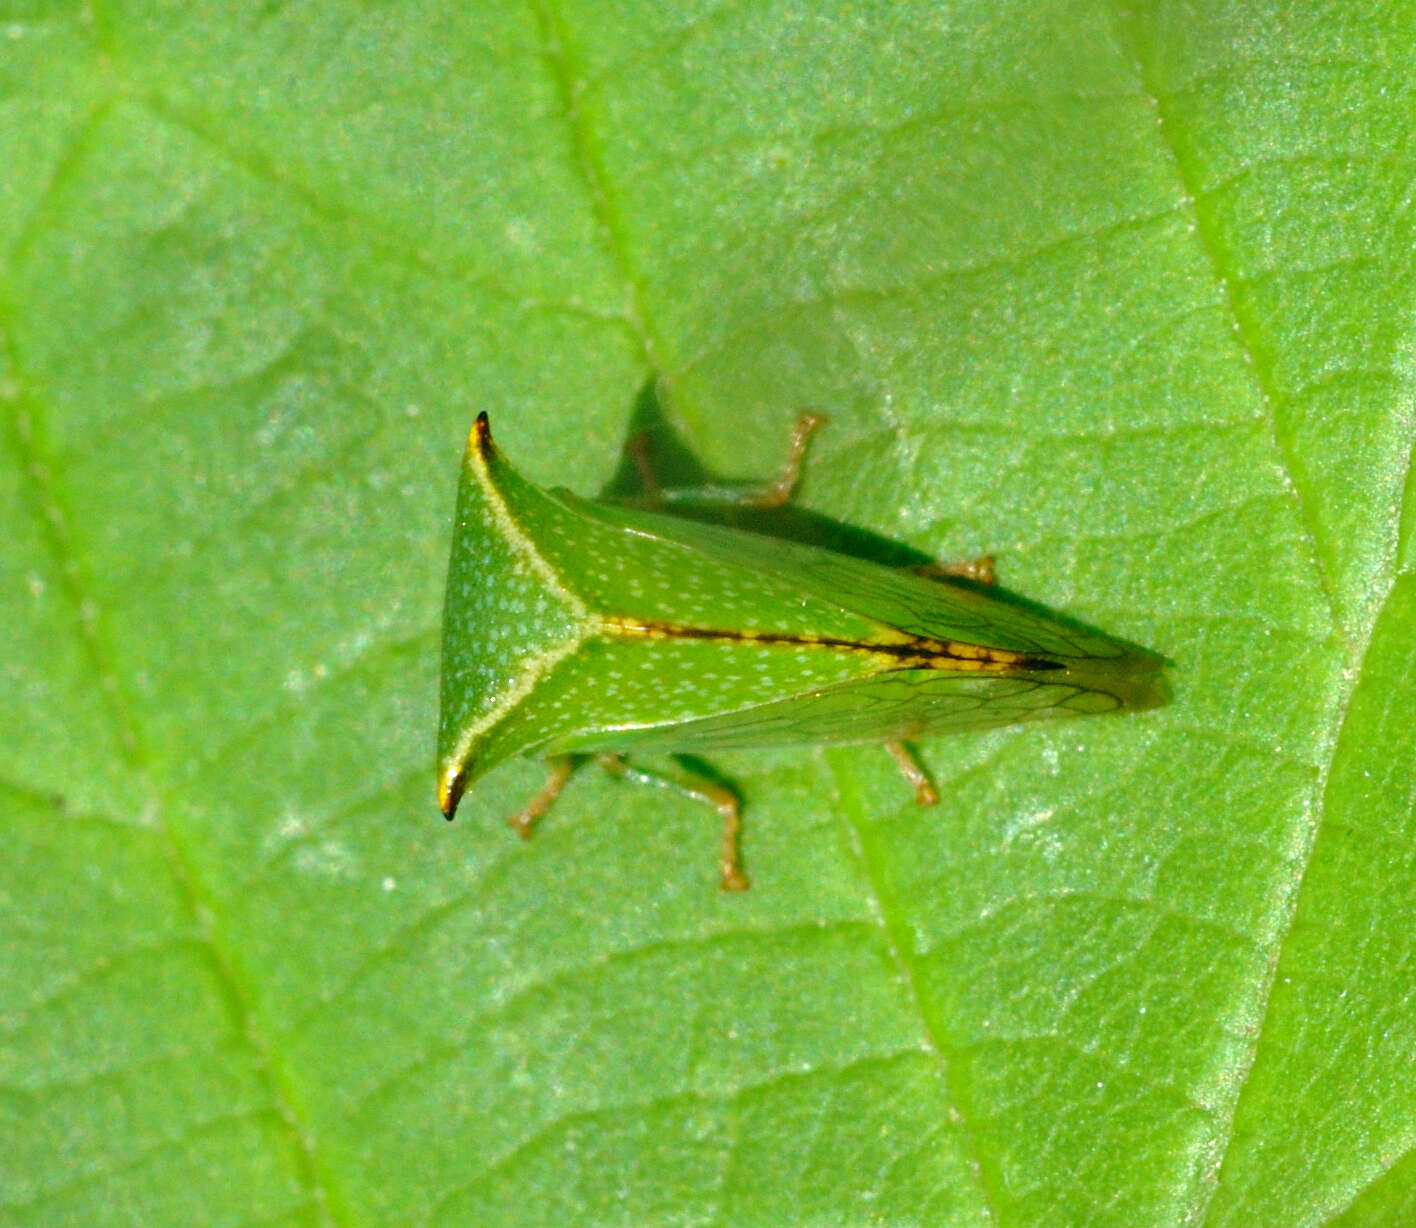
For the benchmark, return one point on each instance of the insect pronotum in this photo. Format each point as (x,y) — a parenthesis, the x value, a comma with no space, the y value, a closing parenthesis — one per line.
(586,627)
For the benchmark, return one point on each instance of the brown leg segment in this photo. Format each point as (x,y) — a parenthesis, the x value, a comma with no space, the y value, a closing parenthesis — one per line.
(913,771)
(781,490)
(773,494)
(561,766)
(723,800)
(638,450)
(980,569)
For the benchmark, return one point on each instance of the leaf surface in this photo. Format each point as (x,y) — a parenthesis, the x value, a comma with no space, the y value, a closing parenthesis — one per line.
(1122,296)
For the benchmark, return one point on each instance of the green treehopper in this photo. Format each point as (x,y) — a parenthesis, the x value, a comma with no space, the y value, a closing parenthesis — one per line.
(591,627)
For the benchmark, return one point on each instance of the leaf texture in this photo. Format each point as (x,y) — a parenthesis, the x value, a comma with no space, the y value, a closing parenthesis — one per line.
(1119,294)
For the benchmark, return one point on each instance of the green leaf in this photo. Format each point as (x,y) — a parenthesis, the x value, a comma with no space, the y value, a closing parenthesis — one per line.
(1120,295)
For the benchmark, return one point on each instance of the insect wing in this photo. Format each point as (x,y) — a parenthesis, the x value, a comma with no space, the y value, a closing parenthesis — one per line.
(886,707)
(896,597)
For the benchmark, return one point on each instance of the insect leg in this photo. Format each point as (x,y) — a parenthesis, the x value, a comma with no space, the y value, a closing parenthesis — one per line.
(721,798)
(561,766)
(913,771)
(637,449)
(773,494)
(980,569)
(782,488)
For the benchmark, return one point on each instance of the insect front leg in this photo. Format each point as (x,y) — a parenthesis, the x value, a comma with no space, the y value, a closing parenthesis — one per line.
(561,767)
(773,494)
(721,798)
(785,484)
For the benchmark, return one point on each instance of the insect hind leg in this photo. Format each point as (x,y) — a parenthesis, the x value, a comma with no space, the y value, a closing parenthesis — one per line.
(979,570)
(914,773)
